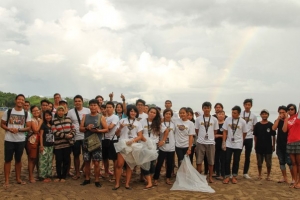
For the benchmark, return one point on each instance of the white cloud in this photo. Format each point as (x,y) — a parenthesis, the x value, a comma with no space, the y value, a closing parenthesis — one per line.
(50,58)
(9,52)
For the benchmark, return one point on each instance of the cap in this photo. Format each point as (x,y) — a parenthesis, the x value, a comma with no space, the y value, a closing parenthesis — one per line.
(63,101)
(264,111)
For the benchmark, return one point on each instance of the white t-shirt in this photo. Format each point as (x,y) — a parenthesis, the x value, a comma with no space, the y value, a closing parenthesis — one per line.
(16,120)
(251,120)
(209,137)
(154,137)
(169,146)
(235,141)
(183,129)
(136,127)
(113,119)
(142,116)
(72,115)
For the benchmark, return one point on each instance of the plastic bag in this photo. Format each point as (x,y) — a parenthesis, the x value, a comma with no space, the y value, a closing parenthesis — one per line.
(188,178)
(137,153)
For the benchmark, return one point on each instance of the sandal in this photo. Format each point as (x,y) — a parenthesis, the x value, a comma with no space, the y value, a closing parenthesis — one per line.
(21,182)
(169,183)
(128,188)
(115,188)
(268,179)
(76,177)
(112,180)
(62,180)
(233,180)
(56,180)
(98,184)
(148,188)
(226,180)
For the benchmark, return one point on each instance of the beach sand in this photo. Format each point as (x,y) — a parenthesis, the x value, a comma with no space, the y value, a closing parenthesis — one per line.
(71,189)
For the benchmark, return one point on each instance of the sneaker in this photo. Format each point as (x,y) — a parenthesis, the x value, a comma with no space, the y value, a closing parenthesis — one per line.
(247,176)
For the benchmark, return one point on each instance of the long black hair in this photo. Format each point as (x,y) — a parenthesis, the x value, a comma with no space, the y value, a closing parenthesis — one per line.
(44,118)
(130,108)
(155,126)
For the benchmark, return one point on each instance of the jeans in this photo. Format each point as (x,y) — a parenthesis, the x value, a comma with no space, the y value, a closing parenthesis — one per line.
(220,157)
(62,157)
(180,153)
(162,156)
(236,161)
(284,158)
(248,143)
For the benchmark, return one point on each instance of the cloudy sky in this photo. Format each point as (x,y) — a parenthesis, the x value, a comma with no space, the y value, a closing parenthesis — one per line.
(188,51)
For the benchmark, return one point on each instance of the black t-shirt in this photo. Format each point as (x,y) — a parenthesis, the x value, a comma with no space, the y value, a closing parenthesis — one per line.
(281,137)
(219,140)
(48,138)
(263,133)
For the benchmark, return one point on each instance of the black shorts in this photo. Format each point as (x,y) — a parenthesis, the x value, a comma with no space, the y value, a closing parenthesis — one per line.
(108,149)
(13,148)
(77,148)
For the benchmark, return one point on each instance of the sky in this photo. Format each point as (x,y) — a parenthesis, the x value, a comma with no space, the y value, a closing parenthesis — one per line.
(187,51)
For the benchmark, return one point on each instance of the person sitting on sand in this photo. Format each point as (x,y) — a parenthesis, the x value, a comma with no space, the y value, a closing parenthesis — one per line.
(264,140)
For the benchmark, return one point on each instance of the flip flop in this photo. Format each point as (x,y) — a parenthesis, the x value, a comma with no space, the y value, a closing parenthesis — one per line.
(233,180)
(128,188)
(21,183)
(62,180)
(268,179)
(112,180)
(76,177)
(226,180)
(115,188)
(148,188)
(56,180)
(169,183)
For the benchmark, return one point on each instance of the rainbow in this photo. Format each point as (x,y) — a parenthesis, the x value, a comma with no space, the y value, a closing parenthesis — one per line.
(232,60)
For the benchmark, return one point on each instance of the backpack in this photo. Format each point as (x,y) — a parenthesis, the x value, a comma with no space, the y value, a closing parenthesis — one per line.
(8,116)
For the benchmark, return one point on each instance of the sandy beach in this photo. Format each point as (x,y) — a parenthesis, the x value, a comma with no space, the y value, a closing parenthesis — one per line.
(71,189)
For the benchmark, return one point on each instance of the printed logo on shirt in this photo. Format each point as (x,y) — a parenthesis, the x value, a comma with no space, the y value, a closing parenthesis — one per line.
(139,119)
(234,126)
(181,127)
(247,119)
(16,119)
(268,130)
(206,124)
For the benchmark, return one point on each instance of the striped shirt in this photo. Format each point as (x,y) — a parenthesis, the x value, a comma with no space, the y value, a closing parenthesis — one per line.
(60,128)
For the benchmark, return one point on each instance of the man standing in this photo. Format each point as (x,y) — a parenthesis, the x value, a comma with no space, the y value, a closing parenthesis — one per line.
(56,98)
(283,156)
(206,129)
(108,150)
(44,106)
(264,138)
(90,124)
(26,106)
(13,122)
(251,120)
(76,115)
(168,105)
(140,104)
(234,135)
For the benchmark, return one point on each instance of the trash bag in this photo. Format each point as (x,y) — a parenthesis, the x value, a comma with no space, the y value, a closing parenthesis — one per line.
(188,178)
(137,153)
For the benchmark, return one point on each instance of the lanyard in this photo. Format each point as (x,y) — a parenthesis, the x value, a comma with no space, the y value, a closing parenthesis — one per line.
(130,126)
(149,130)
(168,127)
(248,117)
(234,128)
(206,126)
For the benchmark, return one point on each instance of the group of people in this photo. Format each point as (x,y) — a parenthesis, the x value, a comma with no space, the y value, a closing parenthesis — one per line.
(215,140)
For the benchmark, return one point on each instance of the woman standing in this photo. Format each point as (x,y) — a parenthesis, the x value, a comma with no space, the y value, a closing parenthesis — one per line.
(292,127)
(190,116)
(166,147)
(121,108)
(184,132)
(220,154)
(64,133)
(46,147)
(33,141)
(151,130)
(128,129)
